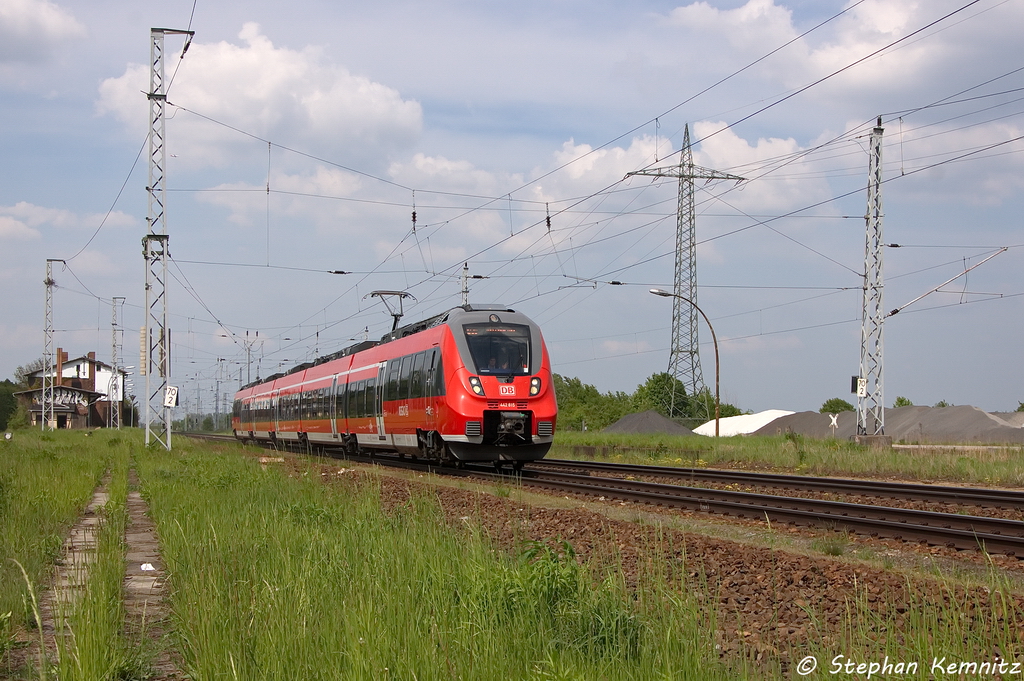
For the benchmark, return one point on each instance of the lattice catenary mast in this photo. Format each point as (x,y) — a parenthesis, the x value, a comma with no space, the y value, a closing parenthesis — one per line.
(48,420)
(684,360)
(870,394)
(156,335)
(114,392)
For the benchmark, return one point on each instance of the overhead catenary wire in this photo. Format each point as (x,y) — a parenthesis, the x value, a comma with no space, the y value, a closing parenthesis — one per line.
(572,248)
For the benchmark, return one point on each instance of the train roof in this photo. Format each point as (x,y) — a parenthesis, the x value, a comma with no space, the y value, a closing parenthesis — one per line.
(400,332)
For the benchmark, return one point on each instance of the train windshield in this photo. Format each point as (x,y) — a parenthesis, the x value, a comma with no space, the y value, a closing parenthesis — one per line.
(501,349)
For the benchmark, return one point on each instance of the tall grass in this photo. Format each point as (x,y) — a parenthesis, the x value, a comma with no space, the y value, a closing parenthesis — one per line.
(278,577)
(953,625)
(1004,466)
(46,480)
(90,642)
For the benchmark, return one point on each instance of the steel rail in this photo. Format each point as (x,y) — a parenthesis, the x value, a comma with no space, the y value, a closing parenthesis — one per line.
(997,498)
(994,535)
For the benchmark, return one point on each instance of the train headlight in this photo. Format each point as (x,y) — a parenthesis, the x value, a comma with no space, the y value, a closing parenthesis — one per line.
(534,386)
(474,383)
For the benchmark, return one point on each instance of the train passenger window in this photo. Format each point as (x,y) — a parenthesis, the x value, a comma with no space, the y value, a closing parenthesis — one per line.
(343,398)
(403,380)
(357,403)
(371,397)
(391,383)
(416,379)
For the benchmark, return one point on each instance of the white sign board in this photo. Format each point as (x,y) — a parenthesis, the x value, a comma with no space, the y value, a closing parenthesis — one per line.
(171,396)
(862,387)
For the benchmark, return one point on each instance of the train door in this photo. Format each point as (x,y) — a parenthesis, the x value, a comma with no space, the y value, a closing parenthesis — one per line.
(332,407)
(275,411)
(431,365)
(379,401)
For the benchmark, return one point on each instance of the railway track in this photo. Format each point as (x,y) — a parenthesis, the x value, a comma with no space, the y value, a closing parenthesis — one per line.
(876,488)
(963,532)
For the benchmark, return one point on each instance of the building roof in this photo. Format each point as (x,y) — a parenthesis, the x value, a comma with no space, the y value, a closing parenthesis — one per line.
(77,360)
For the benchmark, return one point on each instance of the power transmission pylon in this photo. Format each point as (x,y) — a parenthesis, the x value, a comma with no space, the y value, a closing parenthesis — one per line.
(156,334)
(684,360)
(870,394)
(47,418)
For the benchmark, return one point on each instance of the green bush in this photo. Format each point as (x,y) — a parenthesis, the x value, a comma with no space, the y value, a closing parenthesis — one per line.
(835,406)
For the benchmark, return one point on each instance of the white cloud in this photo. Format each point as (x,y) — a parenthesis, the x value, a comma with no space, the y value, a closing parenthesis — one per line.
(91,263)
(290,97)
(30,30)
(780,191)
(294,195)
(758,26)
(38,216)
(986,178)
(16,230)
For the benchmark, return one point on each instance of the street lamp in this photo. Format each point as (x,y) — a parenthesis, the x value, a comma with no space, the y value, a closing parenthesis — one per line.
(714,339)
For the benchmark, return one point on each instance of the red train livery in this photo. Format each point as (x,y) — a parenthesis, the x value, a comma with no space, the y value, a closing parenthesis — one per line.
(472,384)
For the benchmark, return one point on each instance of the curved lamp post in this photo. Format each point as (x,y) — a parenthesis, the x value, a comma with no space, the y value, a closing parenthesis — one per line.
(714,339)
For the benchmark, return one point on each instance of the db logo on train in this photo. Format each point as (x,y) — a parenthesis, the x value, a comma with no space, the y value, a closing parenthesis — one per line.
(507,390)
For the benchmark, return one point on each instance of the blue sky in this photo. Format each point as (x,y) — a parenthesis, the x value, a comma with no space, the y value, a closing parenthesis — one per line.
(484,116)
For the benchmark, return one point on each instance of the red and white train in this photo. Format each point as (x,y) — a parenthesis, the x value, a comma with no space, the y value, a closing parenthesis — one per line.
(472,384)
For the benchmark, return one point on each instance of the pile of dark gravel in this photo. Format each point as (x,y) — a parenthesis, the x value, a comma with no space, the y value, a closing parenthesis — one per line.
(648,422)
(925,425)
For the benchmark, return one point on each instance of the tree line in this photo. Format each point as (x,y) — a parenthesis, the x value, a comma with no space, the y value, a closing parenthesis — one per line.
(582,406)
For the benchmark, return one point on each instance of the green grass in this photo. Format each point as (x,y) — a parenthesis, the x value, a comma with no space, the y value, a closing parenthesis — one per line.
(278,577)
(46,480)
(798,454)
(92,646)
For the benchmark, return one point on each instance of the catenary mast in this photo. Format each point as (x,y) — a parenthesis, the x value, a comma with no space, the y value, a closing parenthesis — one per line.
(870,393)
(156,335)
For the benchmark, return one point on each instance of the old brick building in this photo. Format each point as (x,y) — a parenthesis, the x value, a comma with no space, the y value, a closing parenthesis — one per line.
(81,394)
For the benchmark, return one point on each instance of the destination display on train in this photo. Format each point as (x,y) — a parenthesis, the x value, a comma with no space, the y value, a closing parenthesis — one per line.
(522,331)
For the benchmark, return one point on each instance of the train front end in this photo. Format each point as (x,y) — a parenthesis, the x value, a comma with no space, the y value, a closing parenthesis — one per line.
(500,400)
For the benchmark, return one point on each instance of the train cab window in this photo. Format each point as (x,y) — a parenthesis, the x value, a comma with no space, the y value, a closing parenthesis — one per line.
(417,376)
(499,349)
